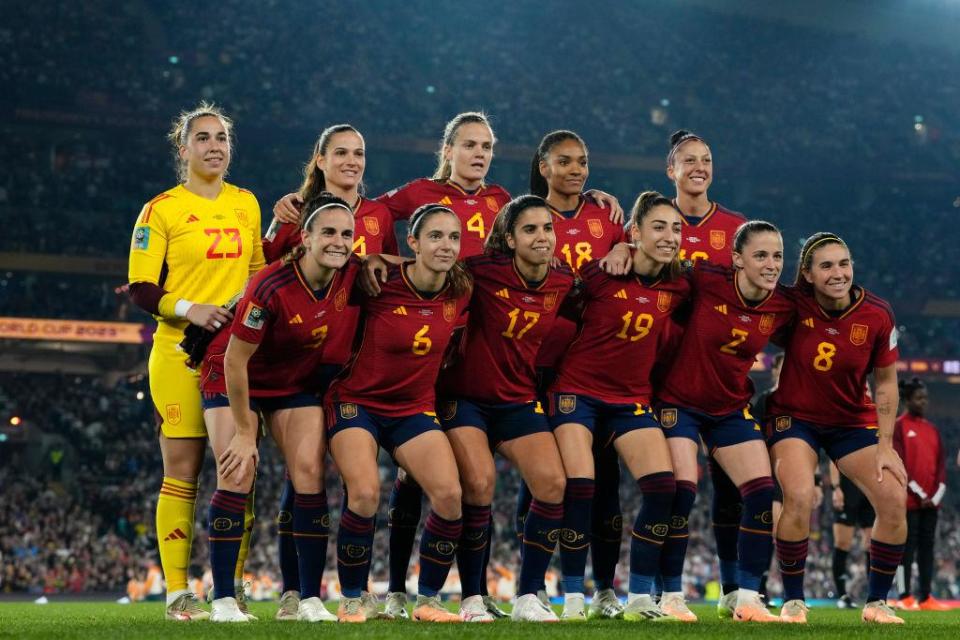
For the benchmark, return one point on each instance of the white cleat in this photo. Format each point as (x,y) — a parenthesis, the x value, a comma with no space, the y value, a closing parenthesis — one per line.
(529,608)
(186,608)
(574,609)
(289,606)
(226,610)
(396,606)
(644,609)
(313,610)
(606,605)
(473,609)
(727,604)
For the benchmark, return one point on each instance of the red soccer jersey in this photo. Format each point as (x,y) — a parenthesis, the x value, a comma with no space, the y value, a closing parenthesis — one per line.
(710,238)
(508,322)
(372,233)
(622,318)
(585,236)
(296,330)
(709,371)
(402,340)
(918,442)
(476,210)
(828,359)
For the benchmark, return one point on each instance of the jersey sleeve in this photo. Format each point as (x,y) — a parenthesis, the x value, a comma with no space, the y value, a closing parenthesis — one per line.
(885,352)
(253,319)
(281,237)
(148,246)
(400,201)
(257,261)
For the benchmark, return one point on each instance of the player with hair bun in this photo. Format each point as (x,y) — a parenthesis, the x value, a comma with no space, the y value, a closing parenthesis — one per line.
(385,398)
(193,248)
(842,333)
(592,404)
(290,315)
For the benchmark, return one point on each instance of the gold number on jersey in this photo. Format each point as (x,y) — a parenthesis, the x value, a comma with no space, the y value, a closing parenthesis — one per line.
(641,326)
(739,337)
(824,359)
(475,224)
(421,343)
(319,335)
(360,246)
(583,251)
(217,236)
(530,316)
(694,256)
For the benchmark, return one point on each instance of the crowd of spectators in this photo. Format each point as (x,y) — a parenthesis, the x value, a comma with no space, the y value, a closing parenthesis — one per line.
(77,509)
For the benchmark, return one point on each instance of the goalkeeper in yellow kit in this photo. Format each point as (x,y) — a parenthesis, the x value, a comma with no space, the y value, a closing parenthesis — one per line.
(193,248)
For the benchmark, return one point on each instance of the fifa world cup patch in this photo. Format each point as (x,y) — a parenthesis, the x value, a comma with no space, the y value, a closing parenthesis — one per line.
(668,418)
(173,414)
(782,423)
(566,404)
(141,238)
(348,411)
(255,317)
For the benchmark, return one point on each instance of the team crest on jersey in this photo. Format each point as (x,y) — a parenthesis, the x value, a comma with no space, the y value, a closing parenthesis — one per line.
(340,300)
(449,310)
(566,403)
(718,238)
(595,227)
(668,418)
(173,414)
(858,334)
(348,410)
(663,301)
(141,238)
(491,203)
(782,423)
(254,317)
(766,323)
(241,216)
(372,225)
(550,300)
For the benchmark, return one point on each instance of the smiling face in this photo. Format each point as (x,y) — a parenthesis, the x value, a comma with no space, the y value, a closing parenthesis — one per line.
(329,239)
(437,243)
(470,153)
(692,168)
(533,239)
(343,160)
(566,168)
(761,260)
(207,148)
(830,272)
(658,235)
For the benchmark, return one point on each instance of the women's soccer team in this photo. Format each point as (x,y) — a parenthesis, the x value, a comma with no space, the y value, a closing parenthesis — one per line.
(544,328)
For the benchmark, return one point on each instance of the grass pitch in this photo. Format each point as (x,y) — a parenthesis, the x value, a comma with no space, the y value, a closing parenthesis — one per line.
(111,621)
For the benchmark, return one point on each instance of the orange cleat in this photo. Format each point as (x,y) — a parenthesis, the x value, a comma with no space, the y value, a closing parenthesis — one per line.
(754,610)
(932,604)
(673,604)
(430,609)
(351,610)
(879,612)
(905,604)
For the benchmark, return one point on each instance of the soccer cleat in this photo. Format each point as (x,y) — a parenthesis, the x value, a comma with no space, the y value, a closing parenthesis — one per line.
(846,602)
(472,609)
(430,609)
(227,610)
(371,607)
(289,605)
(574,609)
(673,604)
(754,610)
(644,609)
(529,608)
(186,608)
(493,608)
(242,602)
(312,610)
(932,604)
(543,598)
(905,604)
(396,606)
(727,604)
(606,605)
(794,611)
(879,612)
(351,610)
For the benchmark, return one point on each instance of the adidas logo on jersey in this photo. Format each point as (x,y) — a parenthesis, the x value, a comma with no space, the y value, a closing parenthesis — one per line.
(722,308)
(808,322)
(193,218)
(400,311)
(503,293)
(296,320)
(446,201)
(176,534)
(622,294)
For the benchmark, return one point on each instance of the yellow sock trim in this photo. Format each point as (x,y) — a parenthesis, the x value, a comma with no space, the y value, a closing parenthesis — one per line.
(248,520)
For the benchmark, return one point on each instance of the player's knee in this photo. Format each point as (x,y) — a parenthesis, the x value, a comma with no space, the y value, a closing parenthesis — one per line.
(363,498)
(891,505)
(477,487)
(797,502)
(549,487)
(446,501)
(307,475)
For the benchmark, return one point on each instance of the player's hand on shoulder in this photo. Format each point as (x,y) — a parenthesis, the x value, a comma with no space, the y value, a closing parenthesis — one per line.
(287,208)
(208,316)
(373,273)
(605,200)
(617,262)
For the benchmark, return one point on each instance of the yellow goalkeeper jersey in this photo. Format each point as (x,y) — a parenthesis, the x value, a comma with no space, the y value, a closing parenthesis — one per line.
(196,249)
